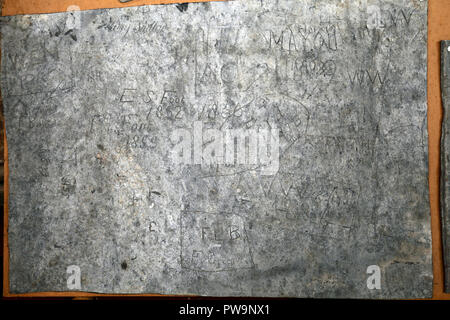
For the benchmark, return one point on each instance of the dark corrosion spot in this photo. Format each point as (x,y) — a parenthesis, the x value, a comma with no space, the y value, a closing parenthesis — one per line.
(124,265)
(182,7)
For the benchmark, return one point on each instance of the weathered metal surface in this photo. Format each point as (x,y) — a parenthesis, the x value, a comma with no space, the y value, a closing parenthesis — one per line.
(445,156)
(116,175)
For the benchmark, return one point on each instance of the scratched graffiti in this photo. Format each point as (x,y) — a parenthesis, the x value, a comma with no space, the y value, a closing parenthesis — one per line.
(328,95)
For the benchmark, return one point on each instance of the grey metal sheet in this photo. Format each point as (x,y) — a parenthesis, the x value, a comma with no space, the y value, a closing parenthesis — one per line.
(125,173)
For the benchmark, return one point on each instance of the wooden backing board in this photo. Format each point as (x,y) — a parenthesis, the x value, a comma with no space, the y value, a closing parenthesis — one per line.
(438,29)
